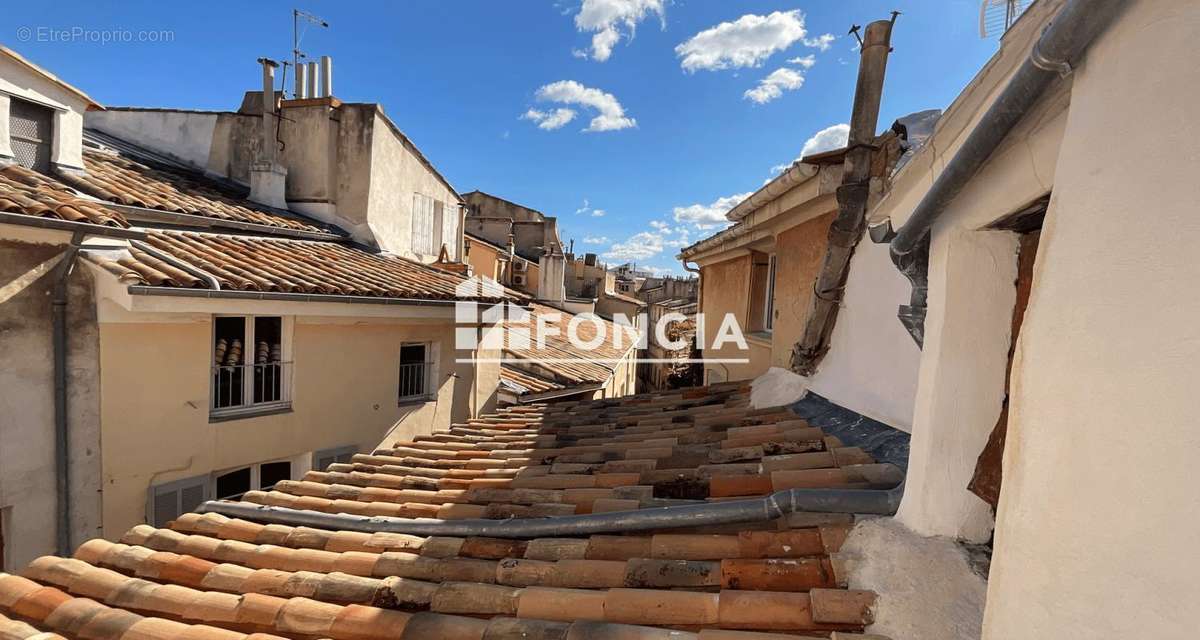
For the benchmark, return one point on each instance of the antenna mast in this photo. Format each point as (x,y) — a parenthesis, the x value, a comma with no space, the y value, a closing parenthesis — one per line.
(298,15)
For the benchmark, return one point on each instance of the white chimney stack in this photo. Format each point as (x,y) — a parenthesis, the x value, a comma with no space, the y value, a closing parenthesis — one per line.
(326,77)
(267,178)
(301,82)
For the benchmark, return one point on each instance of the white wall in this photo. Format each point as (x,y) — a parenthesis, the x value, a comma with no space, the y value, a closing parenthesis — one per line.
(19,80)
(1098,518)
(872,364)
(183,135)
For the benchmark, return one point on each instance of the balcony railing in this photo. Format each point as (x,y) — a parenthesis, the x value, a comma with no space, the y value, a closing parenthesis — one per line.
(414,381)
(242,386)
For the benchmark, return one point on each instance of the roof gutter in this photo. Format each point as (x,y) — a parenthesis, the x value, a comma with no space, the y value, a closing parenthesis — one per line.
(143,214)
(1054,55)
(229,294)
(798,173)
(776,505)
(86,228)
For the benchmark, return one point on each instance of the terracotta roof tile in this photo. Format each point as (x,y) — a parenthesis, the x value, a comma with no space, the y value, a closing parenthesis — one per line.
(252,263)
(30,193)
(715,583)
(116,178)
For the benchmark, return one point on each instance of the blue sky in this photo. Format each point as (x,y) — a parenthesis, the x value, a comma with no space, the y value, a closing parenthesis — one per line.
(480,87)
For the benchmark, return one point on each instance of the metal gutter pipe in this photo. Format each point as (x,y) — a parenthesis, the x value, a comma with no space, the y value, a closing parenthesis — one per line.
(62,452)
(1054,55)
(231,294)
(776,505)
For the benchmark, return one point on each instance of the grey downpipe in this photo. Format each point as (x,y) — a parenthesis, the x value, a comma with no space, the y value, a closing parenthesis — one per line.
(62,451)
(1054,54)
(776,505)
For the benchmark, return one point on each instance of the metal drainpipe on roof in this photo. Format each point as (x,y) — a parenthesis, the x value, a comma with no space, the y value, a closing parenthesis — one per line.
(62,452)
(1054,54)
(847,228)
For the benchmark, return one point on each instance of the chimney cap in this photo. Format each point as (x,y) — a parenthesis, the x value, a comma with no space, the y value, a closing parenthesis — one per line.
(268,61)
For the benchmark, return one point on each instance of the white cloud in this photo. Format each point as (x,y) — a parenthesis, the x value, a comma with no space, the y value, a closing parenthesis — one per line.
(745,42)
(611,116)
(773,86)
(587,206)
(659,225)
(598,213)
(805,62)
(611,19)
(579,53)
(595,239)
(549,120)
(639,246)
(821,42)
(709,216)
(826,139)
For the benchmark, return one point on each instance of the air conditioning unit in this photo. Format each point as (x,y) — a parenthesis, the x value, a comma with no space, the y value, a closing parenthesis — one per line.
(520,265)
(519,279)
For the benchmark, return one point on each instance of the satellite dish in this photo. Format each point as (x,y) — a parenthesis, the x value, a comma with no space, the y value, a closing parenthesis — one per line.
(996,16)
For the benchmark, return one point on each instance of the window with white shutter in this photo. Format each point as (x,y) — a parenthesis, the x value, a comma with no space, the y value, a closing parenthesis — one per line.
(168,501)
(450,229)
(322,459)
(422,225)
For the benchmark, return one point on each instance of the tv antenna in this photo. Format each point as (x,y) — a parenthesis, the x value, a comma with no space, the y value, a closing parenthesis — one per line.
(297,36)
(996,16)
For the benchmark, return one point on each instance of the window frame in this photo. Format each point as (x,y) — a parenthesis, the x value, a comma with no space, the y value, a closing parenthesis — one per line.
(422,230)
(769,295)
(177,486)
(249,408)
(333,452)
(255,475)
(428,369)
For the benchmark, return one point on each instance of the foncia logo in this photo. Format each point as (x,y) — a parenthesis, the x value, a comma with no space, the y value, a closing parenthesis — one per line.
(488,319)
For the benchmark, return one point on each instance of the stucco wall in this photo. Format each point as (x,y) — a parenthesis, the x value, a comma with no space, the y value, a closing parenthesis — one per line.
(183,135)
(799,253)
(484,260)
(27,437)
(1098,515)
(156,390)
(67,145)
(396,174)
(872,362)
(724,287)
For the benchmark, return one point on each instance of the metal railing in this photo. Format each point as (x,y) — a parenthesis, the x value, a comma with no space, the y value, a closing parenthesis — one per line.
(414,381)
(250,385)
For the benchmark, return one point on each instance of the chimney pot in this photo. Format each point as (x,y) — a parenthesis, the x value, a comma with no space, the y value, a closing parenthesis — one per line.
(326,76)
(267,178)
(301,81)
(314,87)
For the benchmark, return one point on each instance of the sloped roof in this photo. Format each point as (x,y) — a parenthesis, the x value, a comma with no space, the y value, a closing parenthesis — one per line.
(255,263)
(235,576)
(30,193)
(570,362)
(522,382)
(128,178)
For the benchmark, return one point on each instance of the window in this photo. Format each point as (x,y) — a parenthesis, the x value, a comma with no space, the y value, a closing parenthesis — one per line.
(340,455)
(769,311)
(449,235)
(762,291)
(414,372)
(254,378)
(31,132)
(262,476)
(168,501)
(422,225)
